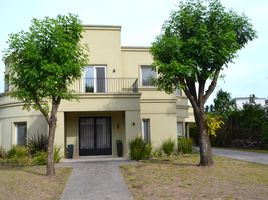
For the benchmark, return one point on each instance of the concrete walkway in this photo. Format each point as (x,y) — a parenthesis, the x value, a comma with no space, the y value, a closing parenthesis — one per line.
(96,180)
(242,155)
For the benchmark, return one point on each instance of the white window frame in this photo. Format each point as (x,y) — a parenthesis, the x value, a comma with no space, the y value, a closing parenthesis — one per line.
(95,79)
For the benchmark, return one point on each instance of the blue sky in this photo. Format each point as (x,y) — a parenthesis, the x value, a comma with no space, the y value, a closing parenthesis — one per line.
(141,22)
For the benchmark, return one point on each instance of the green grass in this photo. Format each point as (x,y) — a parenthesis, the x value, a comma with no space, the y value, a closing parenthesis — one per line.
(31,183)
(179,177)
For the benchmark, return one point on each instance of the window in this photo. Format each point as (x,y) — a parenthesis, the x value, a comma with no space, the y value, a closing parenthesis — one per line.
(180,129)
(95,79)
(6,83)
(21,133)
(146,130)
(147,74)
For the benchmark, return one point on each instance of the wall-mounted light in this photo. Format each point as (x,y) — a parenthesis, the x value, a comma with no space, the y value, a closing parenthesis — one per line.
(113,70)
(133,123)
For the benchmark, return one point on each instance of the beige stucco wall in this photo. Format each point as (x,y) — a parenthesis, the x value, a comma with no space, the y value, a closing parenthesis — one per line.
(126,109)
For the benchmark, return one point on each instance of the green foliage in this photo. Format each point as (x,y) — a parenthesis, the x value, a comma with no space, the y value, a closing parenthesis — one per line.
(264,134)
(185,145)
(139,149)
(40,158)
(2,152)
(223,104)
(37,143)
(15,161)
(57,156)
(197,41)
(44,61)
(18,152)
(157,153)
(168,146)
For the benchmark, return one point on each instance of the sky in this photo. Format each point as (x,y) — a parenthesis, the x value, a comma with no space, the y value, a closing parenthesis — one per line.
(141,22)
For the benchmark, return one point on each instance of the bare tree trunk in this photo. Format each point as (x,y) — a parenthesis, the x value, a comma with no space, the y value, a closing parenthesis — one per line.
(204,142)
(51,135)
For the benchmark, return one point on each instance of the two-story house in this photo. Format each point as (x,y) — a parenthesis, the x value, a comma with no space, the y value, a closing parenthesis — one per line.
(116,101)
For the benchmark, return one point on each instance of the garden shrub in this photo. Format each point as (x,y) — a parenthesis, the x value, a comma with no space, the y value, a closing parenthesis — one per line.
(40,158)
(185,145)
(157,153)
(139,149)
(18,151)
(57,156)
(2,152)
(15,161)
(37,143)
(168,146)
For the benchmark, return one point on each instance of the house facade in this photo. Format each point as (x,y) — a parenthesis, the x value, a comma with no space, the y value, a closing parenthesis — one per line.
(116,102)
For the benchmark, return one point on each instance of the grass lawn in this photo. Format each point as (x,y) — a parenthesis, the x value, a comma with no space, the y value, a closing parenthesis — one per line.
(180,178)
(31,183)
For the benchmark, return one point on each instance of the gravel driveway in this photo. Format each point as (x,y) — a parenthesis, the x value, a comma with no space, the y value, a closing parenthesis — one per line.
(242,155)
(96,180)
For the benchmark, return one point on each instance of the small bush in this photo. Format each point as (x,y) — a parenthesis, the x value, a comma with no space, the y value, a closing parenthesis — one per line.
(18,151)
(2,152)
(168,146)
(139,149)
(157,153)
(15,161)
(40,158)
(57,154)
(185,145)
(37,143)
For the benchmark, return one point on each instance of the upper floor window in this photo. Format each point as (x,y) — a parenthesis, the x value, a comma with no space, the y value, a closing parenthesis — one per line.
(95,79)
(21,133)
(6,83)
(147,74)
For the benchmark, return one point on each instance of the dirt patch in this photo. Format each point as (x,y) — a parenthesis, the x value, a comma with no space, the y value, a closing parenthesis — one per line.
(180,178)
(31,183)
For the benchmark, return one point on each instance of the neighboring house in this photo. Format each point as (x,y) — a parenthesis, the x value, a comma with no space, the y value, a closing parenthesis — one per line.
(116,101)
(240,101)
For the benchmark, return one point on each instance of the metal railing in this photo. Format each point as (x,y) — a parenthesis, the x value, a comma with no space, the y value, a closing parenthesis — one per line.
(105,85)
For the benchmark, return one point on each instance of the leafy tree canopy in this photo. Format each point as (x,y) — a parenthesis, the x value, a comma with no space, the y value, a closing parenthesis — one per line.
(197,41)
(45,60)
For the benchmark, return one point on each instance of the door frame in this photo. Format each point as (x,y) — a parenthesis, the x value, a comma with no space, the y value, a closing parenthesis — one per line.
(95,151)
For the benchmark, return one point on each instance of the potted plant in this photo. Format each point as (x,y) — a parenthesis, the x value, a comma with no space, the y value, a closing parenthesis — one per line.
(119,146)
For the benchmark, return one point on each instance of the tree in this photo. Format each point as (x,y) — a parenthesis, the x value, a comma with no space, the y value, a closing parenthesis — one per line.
(223,104)
(196,43)
(43,62)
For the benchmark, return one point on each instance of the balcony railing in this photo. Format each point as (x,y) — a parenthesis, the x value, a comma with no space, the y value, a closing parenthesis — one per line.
(106,85)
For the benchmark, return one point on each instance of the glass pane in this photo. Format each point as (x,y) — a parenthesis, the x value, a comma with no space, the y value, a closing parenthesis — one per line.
(86,133)
(89,79)
(103,133)
(179,129)
(100,73)
(146,130)
(21,133)
(147,74)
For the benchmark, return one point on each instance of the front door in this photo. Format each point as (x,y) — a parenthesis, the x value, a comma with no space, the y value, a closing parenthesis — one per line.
(95,136)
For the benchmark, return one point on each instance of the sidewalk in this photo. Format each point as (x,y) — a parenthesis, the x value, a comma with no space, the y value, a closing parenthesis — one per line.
(96,180)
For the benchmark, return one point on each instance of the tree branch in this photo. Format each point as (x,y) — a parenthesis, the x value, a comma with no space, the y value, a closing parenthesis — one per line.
(37,103)
(212,85)
(201,90)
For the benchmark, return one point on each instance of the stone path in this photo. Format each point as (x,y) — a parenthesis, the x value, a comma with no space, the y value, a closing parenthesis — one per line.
(97,180)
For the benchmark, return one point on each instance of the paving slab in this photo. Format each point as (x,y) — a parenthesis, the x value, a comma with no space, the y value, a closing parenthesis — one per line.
(98,180)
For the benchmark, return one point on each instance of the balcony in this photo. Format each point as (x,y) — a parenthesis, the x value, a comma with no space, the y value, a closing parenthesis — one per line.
(105,85)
